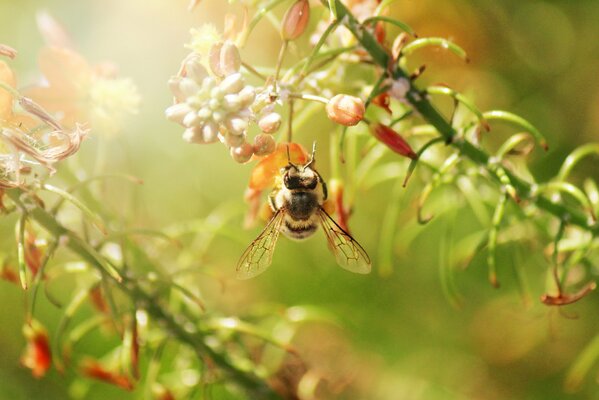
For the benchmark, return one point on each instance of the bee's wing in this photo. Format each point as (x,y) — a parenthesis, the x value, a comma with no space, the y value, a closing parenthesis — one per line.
(258,256)
(349,254)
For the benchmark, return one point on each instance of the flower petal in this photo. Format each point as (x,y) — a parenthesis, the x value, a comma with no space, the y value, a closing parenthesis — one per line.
(264,173)
(65,70)
(6,99)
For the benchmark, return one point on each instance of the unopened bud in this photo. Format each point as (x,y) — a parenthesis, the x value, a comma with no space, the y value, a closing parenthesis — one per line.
(264,145)
(270,123)
(195,70)
(232,140)
(345,110)
(295,20)
(232,84)
(177,112)
(243,153)
(224,59)
(393,140)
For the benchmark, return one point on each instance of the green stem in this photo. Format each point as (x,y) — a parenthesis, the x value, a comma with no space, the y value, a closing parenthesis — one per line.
(421,104)
(254,385)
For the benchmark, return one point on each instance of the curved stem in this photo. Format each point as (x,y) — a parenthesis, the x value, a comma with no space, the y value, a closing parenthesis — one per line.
(421,104)
(253,384)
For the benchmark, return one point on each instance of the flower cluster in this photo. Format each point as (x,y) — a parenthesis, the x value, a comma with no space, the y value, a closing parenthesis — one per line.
(214,103)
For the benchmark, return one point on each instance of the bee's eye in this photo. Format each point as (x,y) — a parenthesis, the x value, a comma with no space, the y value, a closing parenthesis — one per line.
(291,182)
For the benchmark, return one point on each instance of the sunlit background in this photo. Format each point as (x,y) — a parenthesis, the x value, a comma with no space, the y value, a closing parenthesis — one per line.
(399,336)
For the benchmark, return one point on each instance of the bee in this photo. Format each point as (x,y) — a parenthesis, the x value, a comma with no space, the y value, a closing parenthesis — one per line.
(297,203)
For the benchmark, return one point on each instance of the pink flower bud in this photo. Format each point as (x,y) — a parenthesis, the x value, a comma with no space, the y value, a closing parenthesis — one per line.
(393,140)
(295,20)
(270,123)
(243,153)
(264,144)
(345,110)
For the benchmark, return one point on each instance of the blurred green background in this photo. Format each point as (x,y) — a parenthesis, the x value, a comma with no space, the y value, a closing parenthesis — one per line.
(400,334)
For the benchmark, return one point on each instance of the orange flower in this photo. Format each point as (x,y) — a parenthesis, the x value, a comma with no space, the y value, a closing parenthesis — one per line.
(37,356)
(263,177)
(93,369)
(268,168)
(80,93)
(8,78)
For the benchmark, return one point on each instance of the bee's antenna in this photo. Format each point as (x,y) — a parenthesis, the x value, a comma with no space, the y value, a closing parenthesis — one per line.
(289,158)
(313,153)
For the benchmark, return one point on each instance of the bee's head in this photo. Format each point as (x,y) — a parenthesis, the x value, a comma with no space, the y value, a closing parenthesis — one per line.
(300,176)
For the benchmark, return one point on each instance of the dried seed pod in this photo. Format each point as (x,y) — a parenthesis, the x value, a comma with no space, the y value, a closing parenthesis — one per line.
(264,144)
(243,153)
(295,20)
(270,123)
(345,110)
(398,45)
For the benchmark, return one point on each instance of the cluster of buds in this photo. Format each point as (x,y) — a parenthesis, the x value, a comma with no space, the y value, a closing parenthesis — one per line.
(216,105)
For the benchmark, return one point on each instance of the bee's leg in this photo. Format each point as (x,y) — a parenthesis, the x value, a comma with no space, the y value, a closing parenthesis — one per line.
(325,192)
(271,202)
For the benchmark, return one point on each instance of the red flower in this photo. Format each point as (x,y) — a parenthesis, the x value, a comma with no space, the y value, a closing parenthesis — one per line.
(93,369)
(393,140)
(37,356)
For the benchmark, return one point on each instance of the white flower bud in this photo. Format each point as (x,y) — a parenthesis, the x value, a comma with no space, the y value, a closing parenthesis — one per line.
(237,126)
(188,87)
(216,93)
(270,123)
(231,102)
(177,112)
(214,104)
(195,70)
(174,85)
(210,133)
(232,84)
(204,113)
(191,119)
(193,135)
(218,116)
(247,96)
(208,83)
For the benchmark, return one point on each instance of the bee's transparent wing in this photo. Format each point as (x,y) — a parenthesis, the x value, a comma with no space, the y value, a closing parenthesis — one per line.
(258,256)
(349,254)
